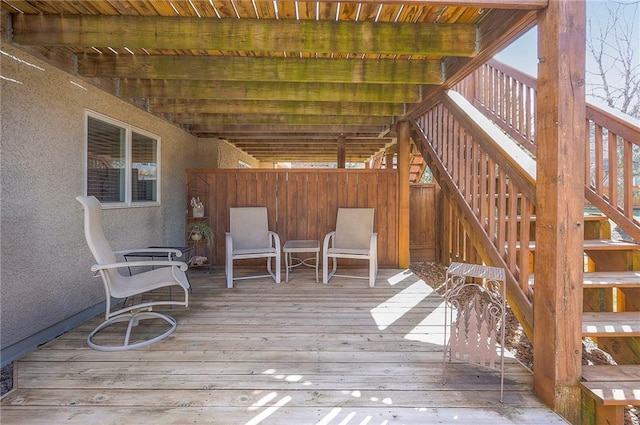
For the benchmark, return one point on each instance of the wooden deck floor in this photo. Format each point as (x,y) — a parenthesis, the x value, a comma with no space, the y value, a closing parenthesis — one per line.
(261,353)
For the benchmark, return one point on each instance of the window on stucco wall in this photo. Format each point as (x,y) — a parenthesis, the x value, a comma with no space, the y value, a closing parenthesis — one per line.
(122,162)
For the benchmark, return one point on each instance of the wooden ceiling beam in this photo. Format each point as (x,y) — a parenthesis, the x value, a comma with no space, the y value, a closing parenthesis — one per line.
(181,106)
(361,142)
(328,128)
(224,68)
(277,119)
(260,90)
(329,158)
(282,137)
(249,35)
(309,150)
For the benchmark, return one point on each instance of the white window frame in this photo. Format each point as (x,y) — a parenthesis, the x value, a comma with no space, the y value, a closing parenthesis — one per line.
(129,130)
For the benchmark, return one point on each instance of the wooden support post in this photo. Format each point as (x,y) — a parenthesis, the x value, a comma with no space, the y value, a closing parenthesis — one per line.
(403,193)
(342,151)
(388,157)
(560,135)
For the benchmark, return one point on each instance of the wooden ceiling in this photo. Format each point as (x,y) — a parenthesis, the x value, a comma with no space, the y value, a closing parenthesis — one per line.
(281,80)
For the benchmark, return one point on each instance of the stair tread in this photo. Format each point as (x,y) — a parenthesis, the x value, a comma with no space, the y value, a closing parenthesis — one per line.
(609,279)
(598,245)
(619,393)
(621,324)
(611,373)
(587,217)
(618,279)
(608,244)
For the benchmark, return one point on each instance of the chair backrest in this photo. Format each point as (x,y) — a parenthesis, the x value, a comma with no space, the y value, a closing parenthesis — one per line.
(94,233)
(249,227)
(354,227)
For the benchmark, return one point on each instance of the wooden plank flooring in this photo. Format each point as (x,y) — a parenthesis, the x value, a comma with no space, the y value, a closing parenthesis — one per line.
(261,353)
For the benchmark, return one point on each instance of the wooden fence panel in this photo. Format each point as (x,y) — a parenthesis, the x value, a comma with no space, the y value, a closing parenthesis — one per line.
(423,222)
(302,204)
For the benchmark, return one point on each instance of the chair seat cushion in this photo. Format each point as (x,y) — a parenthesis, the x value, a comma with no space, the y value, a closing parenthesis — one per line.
(149,280)
(347,251)
(255,251)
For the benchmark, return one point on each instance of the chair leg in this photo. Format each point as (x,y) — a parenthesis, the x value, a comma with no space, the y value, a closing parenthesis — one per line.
(278,271)
(229,272)
(372,272)
(325,268)
(133,320)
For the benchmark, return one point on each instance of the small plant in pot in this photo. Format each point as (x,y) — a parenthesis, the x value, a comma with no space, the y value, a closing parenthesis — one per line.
(200,230)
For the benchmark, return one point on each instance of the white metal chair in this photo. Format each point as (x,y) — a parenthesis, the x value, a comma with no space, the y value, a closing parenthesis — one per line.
(120,286)
(250,237)
(353,238)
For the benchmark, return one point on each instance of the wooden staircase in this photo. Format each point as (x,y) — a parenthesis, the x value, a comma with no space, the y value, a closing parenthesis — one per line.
(611,318)
(490,189)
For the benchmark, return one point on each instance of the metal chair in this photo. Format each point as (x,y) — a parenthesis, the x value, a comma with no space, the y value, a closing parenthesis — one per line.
(250,237)
(120,286)
(353,238)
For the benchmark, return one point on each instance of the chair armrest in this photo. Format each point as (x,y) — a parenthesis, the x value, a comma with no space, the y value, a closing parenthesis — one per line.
(327,238)
(169,251)
(181,264)
(275,240)
(229,242)
(373,245)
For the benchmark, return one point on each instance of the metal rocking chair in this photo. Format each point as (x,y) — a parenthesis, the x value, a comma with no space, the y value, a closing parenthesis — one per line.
(120,286)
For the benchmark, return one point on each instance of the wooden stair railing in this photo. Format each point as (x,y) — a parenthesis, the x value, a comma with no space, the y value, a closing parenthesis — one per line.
(490,183)
(508,97)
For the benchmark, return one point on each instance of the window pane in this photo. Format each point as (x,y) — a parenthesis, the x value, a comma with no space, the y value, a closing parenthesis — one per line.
(144,168)
(105,161)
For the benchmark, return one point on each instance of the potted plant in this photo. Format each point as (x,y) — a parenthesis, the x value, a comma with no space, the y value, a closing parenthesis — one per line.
(200,230)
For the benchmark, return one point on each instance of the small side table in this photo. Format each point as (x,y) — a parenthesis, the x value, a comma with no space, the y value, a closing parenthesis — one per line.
(300,246)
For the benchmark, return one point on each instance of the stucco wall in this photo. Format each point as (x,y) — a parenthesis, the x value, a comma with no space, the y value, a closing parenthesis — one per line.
(229,156)
(44,261)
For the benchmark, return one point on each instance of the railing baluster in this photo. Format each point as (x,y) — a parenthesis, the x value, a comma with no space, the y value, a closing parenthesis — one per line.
(612,147)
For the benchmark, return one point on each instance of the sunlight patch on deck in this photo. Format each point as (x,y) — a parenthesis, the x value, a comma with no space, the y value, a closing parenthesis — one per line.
(399,277)
(386,313)
(424,331)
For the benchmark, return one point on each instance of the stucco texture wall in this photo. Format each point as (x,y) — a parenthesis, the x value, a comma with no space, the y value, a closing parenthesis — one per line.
(44,261)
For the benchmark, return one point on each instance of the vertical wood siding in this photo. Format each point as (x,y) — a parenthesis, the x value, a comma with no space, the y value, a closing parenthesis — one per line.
(301,204)
(424,222)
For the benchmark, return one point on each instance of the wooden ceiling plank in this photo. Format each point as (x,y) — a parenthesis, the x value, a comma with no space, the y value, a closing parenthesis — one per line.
(225,8)
(252,90)
(205,9)
(281,107)
(493,4)
(161,7)
(19,6)
(255,35)
(260,69)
